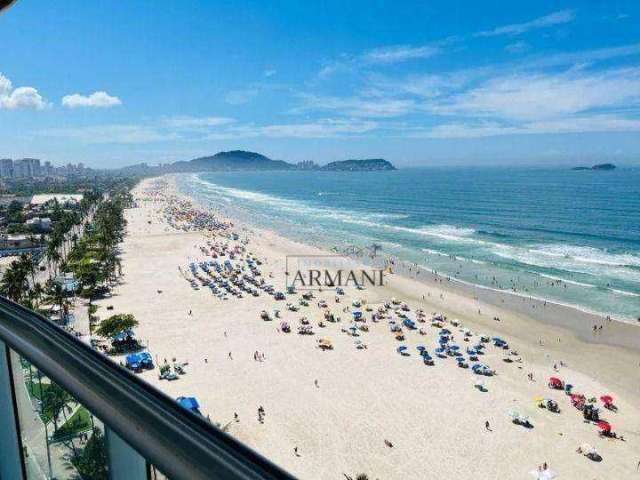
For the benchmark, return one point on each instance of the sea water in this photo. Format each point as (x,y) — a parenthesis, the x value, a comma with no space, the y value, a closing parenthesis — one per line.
(568,236)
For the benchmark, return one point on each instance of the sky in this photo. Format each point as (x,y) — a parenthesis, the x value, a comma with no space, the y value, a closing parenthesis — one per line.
(418,83)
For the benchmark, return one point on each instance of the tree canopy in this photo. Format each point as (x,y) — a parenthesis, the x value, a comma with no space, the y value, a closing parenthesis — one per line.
(116,324)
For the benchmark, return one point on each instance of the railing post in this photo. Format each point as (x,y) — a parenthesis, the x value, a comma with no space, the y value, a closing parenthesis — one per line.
(11,461)
(124,462)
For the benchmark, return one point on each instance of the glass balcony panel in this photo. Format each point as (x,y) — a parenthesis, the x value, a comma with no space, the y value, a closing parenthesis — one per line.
(61,439)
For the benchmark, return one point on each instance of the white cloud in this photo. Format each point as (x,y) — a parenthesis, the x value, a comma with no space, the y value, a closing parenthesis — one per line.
(96,99)
(187,122)
(542,96)
(325,128)
(115,133)
(356,106)
(20,97)
(555,18)
(573,124)
(189,129)
(398,53)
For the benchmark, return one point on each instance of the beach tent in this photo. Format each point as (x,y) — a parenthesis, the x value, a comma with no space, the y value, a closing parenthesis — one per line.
(606,399)
(190,403)
(145,359)
(555,382)
(133,362)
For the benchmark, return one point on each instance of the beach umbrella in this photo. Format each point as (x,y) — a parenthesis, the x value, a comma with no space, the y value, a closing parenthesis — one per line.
(421,348)
(454,347)
(402,349)
(606,399)
(513,414)
(604,426)
(587,449)
(190,403)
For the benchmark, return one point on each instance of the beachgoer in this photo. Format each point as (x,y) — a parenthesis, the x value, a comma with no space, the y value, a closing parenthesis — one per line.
(487,426)
(230,356)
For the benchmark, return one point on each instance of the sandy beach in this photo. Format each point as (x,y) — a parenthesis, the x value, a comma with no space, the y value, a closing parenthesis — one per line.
(349,410)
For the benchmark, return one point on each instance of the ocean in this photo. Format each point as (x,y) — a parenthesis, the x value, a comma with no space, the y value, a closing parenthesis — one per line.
(572,237)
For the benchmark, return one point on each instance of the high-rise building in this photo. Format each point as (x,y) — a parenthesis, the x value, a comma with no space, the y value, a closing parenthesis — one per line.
(6,168)
(21,168)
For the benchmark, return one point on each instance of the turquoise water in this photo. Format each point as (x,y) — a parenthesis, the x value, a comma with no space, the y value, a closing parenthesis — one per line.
(568,236)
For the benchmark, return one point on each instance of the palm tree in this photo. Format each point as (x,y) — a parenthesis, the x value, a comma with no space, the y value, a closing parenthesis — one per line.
(14,282)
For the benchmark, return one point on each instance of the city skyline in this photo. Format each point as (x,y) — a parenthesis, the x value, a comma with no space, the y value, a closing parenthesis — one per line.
(439,84)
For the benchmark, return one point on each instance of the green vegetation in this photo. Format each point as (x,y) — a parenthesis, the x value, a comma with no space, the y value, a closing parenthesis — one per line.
(91,462)
(116,324)
(79,422)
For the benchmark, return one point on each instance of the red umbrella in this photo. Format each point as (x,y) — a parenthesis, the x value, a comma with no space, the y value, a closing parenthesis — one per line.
(604,426)
(606,399)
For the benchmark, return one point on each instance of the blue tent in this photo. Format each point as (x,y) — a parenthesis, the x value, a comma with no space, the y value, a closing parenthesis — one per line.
(133,361)
(190,403)
(145,359)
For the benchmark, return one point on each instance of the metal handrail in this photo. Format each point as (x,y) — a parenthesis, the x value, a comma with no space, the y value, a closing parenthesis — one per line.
(179,443)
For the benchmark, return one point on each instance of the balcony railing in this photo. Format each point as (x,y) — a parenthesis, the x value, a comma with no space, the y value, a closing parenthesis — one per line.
(144,428)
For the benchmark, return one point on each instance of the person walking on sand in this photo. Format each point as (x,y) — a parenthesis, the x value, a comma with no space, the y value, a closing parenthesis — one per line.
(230,356)
(487,426)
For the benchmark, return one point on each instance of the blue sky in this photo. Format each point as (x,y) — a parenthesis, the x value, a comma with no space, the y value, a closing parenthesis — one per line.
(419,83)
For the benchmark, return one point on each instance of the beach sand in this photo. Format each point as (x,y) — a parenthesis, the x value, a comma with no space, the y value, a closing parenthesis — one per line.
(433,416)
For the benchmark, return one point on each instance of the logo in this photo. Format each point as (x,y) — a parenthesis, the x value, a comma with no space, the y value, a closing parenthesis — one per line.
(315,272)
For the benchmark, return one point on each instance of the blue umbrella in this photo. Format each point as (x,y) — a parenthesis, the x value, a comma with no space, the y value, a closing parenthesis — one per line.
(421,348)
(454,347)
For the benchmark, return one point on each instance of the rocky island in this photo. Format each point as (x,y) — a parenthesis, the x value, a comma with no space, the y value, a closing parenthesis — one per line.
(599,166)
(365,165)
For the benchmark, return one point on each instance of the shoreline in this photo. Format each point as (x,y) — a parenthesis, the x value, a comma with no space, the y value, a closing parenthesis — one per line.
(336,407)
(577,320)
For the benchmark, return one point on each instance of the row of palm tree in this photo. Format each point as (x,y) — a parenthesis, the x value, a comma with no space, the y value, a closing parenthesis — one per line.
(83,241)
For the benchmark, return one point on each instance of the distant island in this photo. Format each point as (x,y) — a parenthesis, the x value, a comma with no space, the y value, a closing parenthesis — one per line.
(365,165)
(241,160)
(600,166)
